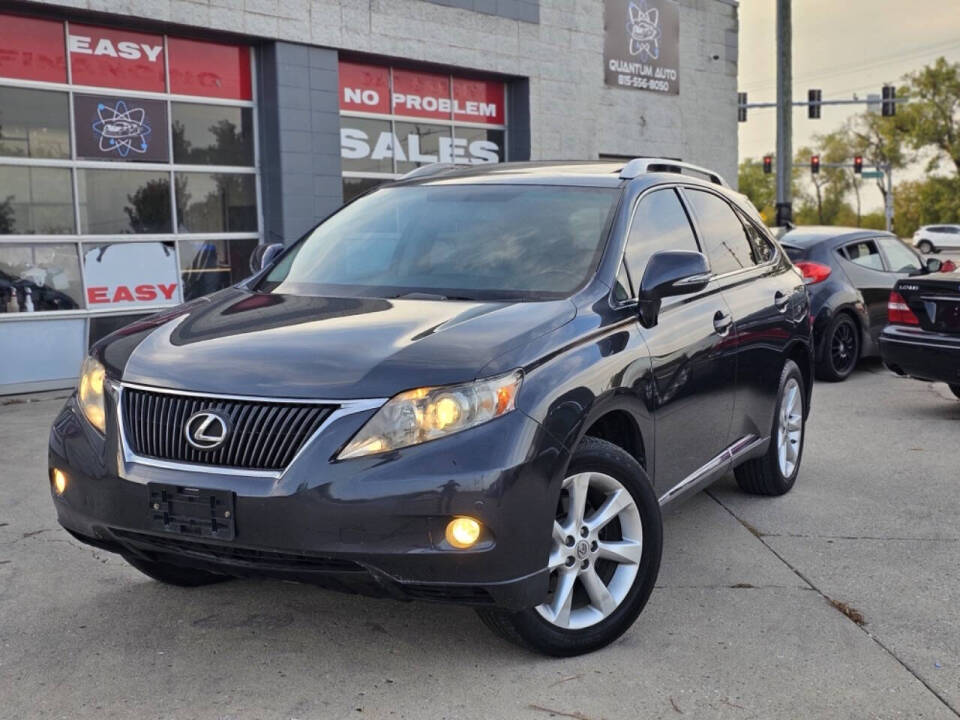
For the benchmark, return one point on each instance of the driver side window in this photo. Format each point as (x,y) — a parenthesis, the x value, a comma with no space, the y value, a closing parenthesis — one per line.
(899,257)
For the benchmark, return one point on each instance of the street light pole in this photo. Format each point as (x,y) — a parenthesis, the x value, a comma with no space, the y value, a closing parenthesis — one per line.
(784,113)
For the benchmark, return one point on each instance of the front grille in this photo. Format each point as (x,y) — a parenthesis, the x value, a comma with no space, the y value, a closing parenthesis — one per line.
(265,559)
(264,435)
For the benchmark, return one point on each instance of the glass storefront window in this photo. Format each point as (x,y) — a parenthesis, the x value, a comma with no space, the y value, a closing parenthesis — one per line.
(366,145)
(33,123)
(420,144)
(39,277)
(482,144)
(35,200)
(212,134)
(124,201)
(127,275)
(216,202)
(352,187)
(211,265)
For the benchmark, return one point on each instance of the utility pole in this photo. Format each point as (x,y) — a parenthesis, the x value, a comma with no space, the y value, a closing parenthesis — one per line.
(888,197)
(784,113)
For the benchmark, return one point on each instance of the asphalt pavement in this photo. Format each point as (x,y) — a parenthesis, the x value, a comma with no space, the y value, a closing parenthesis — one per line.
(839,600)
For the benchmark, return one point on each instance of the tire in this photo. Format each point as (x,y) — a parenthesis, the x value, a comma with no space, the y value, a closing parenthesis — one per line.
(925,246)
(769,475)
(598,471)
(170,574)
(840,350)
(955,389)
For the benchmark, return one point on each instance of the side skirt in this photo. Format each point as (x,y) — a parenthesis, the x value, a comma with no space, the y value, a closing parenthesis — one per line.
(746,448)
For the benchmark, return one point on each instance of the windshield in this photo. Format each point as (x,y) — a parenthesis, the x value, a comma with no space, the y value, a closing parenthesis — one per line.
(483,242)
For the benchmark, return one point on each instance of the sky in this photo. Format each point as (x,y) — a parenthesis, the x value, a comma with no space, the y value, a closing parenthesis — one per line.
(841,47)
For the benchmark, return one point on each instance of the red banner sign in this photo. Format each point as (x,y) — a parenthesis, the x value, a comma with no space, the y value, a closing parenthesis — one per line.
(32,49)
(367,88)
(209,69)
(116,58)
(364,88)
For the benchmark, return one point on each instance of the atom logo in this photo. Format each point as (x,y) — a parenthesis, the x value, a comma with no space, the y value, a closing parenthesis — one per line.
(121,128)
(644,31)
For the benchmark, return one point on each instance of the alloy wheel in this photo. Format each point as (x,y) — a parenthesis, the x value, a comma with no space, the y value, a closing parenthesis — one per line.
(843,348)
(596,553)
(790,428)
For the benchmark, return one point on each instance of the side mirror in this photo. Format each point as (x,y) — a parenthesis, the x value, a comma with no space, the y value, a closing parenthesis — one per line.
(934,265)
(669,273)
(263,255)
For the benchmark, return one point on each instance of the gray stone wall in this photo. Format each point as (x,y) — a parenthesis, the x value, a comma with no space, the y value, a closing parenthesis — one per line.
(300,138)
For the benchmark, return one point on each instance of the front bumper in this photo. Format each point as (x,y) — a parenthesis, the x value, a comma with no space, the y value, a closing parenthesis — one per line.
(370,525)
(921,354)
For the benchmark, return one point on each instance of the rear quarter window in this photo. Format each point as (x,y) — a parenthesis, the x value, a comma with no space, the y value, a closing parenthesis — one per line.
(794,253)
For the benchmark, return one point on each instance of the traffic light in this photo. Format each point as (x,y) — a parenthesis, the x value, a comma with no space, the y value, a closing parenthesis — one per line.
(813,103)
(858,164)
(888,105)
(814,164)
(767,164)
(741,107)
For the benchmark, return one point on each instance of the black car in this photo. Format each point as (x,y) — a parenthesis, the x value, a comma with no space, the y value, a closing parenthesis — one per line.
(849,274)
(477,386)
(922,339)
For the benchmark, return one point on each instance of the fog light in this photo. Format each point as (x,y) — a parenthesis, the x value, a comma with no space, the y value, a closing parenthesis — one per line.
(59,481)
(463,532)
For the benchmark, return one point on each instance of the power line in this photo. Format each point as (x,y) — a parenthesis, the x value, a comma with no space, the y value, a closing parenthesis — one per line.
(840,70)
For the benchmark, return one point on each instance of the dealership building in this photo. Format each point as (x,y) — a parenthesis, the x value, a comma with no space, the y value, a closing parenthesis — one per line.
(148,146)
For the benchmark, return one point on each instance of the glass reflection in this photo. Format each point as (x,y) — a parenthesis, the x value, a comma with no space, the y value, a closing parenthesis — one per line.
(34,278)
(124,201)
(212,134)
(216,202)
(35,200)
(211,265)
(33,123)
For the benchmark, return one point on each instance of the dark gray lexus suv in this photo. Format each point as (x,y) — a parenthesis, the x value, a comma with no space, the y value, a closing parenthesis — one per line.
(478,386)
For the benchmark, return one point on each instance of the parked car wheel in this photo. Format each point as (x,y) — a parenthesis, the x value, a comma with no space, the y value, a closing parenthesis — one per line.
(776,472)
(174,574)
(925,246)
(841,349)
(955,389)
(604,561)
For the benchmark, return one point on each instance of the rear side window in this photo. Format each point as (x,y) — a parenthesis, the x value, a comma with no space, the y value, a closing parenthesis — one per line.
(899,256)
(660,223)
(722,234)
(864,253)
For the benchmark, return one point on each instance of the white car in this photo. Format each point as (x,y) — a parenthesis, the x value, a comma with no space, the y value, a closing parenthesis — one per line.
(934,238)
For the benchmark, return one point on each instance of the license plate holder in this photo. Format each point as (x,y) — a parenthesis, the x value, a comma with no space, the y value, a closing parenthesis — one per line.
(198,512)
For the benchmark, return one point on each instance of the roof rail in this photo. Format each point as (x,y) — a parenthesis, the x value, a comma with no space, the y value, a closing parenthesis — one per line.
(638,166)
(432,169)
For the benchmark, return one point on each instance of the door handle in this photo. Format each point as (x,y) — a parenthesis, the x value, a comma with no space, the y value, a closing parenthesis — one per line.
(722,322)
(781,301)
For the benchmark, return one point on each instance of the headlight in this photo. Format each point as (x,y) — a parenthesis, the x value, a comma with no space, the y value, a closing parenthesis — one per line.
(415,416)
(90,393)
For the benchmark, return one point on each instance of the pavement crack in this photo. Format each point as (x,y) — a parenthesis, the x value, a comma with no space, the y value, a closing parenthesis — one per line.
(760,536)
(806,536)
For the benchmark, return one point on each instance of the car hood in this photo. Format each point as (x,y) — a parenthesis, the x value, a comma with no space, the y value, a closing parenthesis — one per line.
(238,342)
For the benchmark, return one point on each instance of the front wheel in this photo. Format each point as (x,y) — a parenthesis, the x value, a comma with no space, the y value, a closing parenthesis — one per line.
(776,471)
(925,246)
(604,558)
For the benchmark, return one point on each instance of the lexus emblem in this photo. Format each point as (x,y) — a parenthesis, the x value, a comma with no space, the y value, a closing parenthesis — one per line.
(207,429)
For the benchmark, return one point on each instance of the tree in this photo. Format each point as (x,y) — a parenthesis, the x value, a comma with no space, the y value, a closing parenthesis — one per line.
(760,187)
(932,117)
(925,202)
(827,204)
